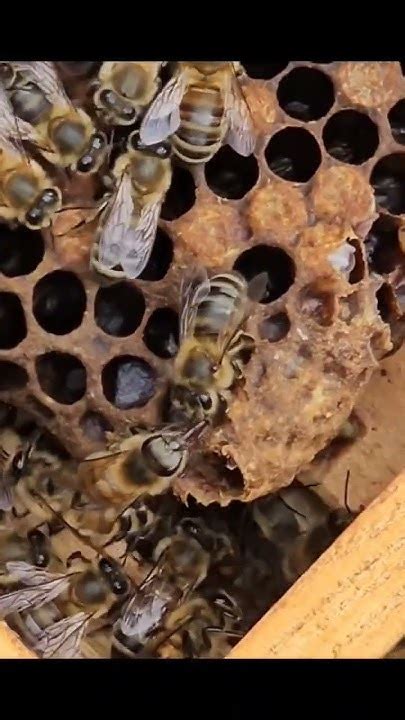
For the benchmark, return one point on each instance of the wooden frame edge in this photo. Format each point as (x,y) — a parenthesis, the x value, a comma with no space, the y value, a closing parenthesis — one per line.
(351,602)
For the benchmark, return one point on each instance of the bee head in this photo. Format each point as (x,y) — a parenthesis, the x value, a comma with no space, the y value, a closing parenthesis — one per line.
(162,150)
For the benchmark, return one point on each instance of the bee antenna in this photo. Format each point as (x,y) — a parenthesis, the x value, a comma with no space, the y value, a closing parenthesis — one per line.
(346,496)
(294,510)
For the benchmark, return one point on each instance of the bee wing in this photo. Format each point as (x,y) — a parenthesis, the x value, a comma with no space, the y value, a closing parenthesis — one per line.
(241,133)
(32,597)
(29,574)
(12,129)
(62,639)
(194,289)
(45,75)
(116,226)
(143,614)
(138,243)
(163,117)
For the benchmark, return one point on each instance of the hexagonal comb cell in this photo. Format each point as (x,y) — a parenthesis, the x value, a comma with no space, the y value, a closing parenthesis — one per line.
(128,382)
(306,93)
(13,327)
(275,262)
(119,309)
(59,302)
(61,376)
(388,181)
(350,136)
(21,251)
(293,154)
(230,175)
(327,156)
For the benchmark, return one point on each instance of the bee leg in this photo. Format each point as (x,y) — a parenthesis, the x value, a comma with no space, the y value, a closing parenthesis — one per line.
(77,555)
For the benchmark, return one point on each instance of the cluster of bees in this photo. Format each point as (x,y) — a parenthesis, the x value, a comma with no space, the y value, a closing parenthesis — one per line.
(43,133)
(74,537)
(94,565)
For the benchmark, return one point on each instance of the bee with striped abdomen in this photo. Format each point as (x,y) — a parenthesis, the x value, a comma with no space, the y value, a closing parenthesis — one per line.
(201,107)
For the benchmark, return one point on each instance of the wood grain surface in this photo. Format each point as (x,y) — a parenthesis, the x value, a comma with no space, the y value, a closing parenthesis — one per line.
(351,602)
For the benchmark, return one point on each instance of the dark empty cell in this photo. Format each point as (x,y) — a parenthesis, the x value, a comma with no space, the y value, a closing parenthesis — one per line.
(181,194)
(388,181)
(61,376)
(351,137)
(403,67)
(275,328)
(128,382)
(359,267)
(264,71)
(59,302)
(382,246)
(231,175)
(396,117)
(161,334)
(160,258)
(119,309)
(273,261)
(13,327)
(318,304)
(12,376)
(21,251)
(293,154)
(306,93)
(386,303)
(94,426)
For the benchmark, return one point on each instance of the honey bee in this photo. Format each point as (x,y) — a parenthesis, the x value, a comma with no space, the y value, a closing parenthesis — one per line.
(145,463)
(124,89)
(181,565)
(27,195)
(203,628)
(213,347)
(129,217)
(64,134)
(15,454)
(81,594)
(201,107)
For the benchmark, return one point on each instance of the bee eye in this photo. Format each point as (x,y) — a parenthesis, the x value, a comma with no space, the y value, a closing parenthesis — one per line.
(49,197)
(205,401)
(119,586)
(86,164)
(134,141)
(164,150)
(35,216)
(105,566)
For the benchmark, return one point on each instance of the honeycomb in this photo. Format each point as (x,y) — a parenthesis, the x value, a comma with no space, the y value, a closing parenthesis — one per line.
(86,356)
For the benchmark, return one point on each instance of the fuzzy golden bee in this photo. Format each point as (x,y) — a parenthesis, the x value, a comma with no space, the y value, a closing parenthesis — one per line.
(145,463)
(200,108)
(123,89)
(27,195)
(129,216)
(63,134)
(213,347)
